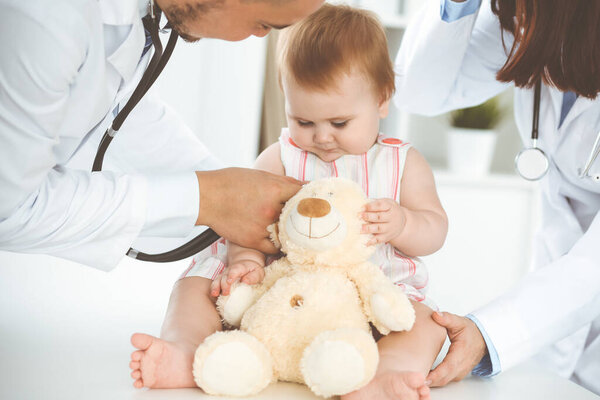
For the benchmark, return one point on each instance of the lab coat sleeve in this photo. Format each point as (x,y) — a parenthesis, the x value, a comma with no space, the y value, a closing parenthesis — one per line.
(90,218)
(154,141)
(443,66)
(548,305)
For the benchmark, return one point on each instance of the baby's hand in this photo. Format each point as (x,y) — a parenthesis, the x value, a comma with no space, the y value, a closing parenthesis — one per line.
(386,220)
(246,271)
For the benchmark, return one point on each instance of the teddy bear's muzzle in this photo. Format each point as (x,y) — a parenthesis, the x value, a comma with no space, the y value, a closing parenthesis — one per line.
(315,224)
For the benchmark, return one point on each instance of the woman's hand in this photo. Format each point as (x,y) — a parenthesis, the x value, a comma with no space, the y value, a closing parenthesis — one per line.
(386,220)
(466,351)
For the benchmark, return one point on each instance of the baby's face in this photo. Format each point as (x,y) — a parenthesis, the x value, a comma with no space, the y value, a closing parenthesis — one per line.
(333,122)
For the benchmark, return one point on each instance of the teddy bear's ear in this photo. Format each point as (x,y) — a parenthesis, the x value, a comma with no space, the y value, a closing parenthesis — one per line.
(274,231)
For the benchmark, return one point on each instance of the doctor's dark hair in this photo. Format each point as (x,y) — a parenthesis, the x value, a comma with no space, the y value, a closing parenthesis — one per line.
(336,40)
(557,40)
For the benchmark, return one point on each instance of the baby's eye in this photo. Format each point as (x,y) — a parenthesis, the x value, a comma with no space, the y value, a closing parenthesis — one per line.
(339,124)
(304,123)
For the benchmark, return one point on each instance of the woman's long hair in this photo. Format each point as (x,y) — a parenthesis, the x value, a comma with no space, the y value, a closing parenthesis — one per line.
(556,40)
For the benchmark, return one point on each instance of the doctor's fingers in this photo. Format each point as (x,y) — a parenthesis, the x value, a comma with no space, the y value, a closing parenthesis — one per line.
(454,367)
(466,350)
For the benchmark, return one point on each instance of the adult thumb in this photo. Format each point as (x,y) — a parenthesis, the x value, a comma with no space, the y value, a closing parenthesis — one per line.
(451,322)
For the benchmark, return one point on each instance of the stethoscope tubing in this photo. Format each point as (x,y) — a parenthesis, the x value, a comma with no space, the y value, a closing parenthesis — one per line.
(155,67)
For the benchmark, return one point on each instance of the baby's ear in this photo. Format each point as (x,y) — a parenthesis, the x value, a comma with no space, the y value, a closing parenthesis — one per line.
(274,231)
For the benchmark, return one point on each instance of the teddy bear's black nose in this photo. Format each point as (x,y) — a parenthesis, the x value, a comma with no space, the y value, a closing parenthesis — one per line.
(313,208)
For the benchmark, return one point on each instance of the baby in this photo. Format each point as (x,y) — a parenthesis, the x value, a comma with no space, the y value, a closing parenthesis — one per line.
(337,78)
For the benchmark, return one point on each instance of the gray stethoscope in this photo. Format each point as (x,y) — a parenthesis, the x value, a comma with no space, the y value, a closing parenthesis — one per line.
(155,67)
(532,163)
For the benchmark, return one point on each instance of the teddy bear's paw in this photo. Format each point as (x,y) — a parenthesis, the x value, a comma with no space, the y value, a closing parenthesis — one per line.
(232,363)
(233,307)
(392,312)
(339,362)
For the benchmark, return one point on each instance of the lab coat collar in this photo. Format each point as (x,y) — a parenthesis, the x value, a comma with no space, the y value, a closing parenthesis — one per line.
(126,12)
(580,105)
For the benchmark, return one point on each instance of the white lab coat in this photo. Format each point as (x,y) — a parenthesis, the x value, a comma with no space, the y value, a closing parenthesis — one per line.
(555,311)
(65,66)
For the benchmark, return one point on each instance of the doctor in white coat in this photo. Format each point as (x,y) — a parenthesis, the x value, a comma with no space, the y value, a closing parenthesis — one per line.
(67,67)
(457,55)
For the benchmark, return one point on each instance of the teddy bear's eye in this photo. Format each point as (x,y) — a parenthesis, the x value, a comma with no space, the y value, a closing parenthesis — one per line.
(330,194)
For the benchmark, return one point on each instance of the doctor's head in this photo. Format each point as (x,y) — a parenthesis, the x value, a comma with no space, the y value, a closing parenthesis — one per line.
(233,20)
(556,40)
(337,78)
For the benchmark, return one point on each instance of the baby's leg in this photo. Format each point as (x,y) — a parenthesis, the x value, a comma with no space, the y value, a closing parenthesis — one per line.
(405,359)
(167,362)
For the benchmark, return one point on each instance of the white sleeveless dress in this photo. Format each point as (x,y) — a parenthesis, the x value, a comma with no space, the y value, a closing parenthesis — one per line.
(378,171)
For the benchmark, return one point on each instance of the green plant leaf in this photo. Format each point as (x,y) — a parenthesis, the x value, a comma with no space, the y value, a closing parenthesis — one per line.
(483,116)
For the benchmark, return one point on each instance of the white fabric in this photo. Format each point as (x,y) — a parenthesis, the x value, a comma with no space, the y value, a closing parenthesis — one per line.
(443,66)
(66,66)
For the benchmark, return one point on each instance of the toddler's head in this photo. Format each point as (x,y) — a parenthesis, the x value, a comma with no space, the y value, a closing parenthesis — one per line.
(337,77)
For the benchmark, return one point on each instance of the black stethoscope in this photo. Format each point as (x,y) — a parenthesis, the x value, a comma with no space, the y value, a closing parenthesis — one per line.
(532,163)
(155,67)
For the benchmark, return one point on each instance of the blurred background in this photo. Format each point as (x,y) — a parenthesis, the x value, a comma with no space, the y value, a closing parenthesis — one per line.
(228,94)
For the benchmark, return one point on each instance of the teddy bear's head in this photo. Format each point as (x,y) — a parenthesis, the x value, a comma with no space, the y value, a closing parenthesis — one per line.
(321,224)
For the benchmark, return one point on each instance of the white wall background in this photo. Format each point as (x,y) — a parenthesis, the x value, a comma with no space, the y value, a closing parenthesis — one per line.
(216,87)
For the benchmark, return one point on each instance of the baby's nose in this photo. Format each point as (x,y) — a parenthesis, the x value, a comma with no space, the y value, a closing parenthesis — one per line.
(313,208)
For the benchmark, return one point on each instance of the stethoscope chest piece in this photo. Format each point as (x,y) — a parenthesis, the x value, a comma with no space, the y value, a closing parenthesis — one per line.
(532,163)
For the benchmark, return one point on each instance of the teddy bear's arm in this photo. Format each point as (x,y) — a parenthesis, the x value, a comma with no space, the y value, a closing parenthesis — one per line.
(385,304)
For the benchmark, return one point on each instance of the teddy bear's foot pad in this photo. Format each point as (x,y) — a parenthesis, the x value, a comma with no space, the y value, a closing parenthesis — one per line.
(339,362)
(232,363)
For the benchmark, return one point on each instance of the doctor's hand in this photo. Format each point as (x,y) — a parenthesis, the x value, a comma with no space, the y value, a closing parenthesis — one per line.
(466,350)
(239,204)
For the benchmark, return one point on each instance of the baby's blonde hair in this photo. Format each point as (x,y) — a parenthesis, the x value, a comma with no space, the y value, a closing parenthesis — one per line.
(335,40)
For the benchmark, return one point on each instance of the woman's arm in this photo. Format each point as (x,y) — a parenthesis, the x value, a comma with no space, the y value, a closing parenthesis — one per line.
(443,66)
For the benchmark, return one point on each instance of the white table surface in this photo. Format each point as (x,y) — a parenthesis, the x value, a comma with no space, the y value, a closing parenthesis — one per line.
(64,334)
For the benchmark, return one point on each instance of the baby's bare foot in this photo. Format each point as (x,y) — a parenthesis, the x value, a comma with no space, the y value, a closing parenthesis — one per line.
(393,385)
(161,364)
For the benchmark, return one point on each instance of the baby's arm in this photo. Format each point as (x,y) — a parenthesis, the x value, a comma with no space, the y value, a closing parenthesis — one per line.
(418,225)
(243,264)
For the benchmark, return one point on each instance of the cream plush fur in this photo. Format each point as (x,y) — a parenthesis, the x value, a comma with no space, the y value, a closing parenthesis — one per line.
(308,321)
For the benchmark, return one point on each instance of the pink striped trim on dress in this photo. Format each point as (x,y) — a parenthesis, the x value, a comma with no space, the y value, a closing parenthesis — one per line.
(365,173)
(219,269)
(396,176)
(411,264)
(184,274)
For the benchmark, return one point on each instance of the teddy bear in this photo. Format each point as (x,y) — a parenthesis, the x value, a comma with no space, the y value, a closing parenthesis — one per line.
(309,320)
